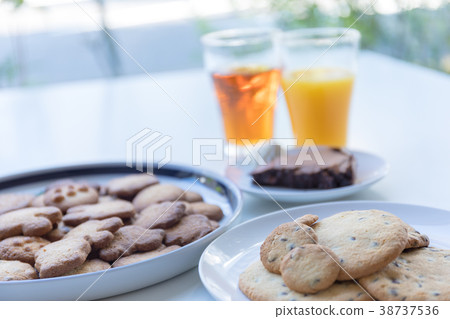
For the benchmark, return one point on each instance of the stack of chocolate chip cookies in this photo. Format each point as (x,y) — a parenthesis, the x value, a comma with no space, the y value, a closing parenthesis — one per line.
(352,255)
(77,227)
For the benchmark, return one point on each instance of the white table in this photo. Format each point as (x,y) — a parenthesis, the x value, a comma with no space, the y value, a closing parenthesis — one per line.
(400,112)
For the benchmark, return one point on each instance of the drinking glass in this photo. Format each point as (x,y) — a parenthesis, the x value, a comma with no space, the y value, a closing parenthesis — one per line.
(244,66)
(319,67)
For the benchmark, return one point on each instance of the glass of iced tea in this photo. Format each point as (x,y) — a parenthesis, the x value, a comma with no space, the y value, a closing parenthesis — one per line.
(319,67)
(244,66)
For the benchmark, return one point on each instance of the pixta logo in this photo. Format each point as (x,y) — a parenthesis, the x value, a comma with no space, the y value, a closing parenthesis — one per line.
(142,148)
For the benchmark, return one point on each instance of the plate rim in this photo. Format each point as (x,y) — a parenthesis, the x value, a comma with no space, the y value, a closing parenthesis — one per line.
(282,211)
(288,192)
(173,166)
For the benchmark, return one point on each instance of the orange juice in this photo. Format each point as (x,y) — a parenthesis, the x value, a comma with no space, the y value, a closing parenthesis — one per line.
(244,95)
(319,104)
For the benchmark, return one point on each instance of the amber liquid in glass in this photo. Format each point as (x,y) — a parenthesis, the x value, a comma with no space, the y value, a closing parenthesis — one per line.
(247,95)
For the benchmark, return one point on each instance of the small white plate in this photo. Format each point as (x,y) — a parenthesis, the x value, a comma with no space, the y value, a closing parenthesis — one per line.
(369,170)
(230,254)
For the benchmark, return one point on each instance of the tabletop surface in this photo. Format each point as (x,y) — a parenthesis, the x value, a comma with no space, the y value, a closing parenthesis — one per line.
(400,112)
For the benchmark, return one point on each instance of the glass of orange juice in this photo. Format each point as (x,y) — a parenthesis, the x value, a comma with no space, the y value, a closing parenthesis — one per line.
(244,67)
(319,67)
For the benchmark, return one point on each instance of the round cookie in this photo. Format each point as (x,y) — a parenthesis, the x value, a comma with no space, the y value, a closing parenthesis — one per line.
(309,268)
(82,213)
(283,239)
(365,240)
(259,284)
(417,274)
(189,229)
(16,270)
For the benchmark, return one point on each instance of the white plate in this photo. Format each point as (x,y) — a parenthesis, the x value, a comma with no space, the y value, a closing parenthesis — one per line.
(214,189)
(369,170)
(230,254)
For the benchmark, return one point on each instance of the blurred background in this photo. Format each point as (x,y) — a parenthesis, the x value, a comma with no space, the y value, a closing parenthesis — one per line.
(47,41)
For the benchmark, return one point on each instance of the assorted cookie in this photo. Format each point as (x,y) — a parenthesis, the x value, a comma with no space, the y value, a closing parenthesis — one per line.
(107,209)
(134,258)
(31,221)
(257,283)
(189,229)
(61,256)
(9,202)
(211,211)
(157,194)
(99,233)
(16,270)
(130,239)
(354,255)
(128,186)
(74,227)
(162,215)
(21,248)
(90,265)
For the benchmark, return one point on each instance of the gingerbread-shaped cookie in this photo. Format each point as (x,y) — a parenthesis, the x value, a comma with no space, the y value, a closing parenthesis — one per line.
(162,215)
(189,229)
(31,221)
(211,211)
(99,233)
(61,256)
(130,239)
(116,208)
(22,248)
(16,270)
(12,201)
(69,195)
(157,194)
(128,186)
